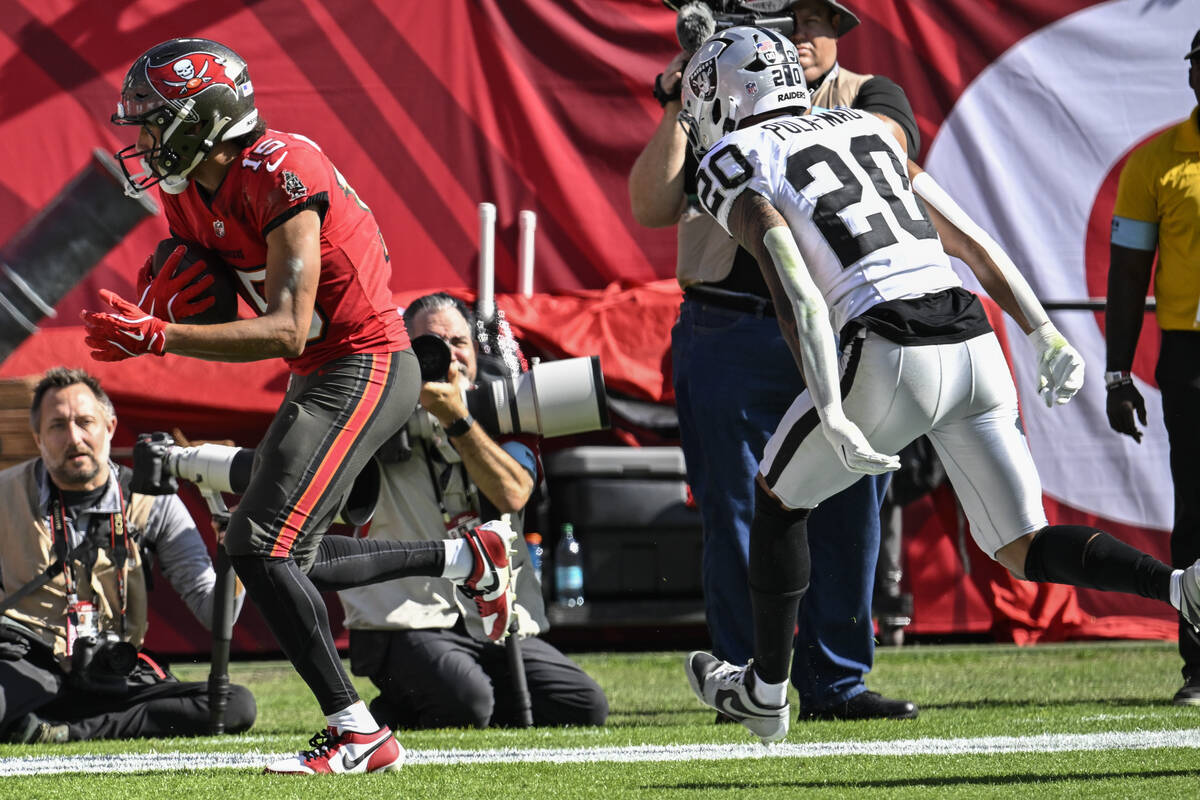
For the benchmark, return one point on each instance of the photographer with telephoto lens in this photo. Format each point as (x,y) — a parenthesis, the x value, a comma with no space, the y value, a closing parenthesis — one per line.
(75,549)
(416,638)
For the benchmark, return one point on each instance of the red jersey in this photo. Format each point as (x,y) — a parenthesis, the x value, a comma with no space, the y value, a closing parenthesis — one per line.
(274,179)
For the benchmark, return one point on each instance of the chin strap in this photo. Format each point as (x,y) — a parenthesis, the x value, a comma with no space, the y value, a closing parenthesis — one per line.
(173,184)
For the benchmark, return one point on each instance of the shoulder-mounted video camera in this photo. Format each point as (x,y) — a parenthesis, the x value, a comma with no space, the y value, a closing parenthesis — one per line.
(554,398)
(699,19)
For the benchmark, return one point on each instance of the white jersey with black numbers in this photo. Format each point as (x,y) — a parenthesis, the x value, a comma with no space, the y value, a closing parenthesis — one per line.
(838,177)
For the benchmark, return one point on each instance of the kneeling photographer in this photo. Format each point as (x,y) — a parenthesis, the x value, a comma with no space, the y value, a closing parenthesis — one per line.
(415,638)
(75,545)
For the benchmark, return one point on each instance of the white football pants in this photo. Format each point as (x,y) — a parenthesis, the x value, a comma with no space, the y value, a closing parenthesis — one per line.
(960,395)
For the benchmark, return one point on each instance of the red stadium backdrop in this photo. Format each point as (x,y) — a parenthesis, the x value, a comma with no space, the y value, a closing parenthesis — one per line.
(1026,109)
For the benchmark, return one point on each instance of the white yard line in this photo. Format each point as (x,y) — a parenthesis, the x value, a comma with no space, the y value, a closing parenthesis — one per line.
(1050,742)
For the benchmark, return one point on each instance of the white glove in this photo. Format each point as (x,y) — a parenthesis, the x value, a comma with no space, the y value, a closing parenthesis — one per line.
(854,450)
(1060,367)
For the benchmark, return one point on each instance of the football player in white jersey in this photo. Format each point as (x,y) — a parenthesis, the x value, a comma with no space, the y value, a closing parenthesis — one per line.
(841,225)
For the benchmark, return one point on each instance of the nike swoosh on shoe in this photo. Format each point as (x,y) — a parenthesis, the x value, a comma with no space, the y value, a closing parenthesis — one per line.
(352,763)
(729,703)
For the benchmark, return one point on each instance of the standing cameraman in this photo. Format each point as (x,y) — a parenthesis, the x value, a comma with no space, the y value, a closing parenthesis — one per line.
(734,379)
(415,637)
(69,666)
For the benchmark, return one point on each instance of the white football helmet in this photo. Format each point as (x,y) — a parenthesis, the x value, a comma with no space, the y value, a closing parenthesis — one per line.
(736,73)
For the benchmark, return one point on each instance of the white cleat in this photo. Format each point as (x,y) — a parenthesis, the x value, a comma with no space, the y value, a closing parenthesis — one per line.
(344,753)
(723,686)
(1189,595)
(490,581)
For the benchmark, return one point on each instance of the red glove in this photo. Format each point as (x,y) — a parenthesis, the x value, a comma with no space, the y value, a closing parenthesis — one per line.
(171,297)
(127,333)
(145,276)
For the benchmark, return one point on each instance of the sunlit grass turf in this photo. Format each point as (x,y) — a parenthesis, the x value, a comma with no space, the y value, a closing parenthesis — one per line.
(964,691)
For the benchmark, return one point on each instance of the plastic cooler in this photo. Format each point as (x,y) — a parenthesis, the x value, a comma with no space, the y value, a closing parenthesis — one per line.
(639,538)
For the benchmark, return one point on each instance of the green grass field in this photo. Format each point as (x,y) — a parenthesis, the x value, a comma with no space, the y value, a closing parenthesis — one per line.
(1078,720)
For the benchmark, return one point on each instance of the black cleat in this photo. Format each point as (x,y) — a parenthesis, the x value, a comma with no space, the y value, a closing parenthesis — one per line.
(32,729)
(1188,694)
(866,705)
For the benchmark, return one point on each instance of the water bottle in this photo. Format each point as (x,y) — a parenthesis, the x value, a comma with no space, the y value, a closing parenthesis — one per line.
(534,541)
(568,569)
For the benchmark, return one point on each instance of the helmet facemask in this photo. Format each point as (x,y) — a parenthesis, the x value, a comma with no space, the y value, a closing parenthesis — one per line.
(178,148)
(187,117)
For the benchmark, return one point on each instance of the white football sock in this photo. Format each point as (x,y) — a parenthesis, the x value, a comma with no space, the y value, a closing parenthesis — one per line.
(354,718)
(460,558)
(768,695)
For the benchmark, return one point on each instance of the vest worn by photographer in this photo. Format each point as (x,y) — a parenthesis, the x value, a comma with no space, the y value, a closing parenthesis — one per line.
(408,510)
(705,252)
(27,549)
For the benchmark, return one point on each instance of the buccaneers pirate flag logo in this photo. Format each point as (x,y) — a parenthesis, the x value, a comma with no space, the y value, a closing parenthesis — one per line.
(189,75)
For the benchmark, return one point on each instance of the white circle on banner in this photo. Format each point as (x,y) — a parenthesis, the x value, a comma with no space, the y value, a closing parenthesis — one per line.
(1024,151)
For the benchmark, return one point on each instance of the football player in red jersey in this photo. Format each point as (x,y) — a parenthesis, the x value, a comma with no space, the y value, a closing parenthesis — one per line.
(310,258)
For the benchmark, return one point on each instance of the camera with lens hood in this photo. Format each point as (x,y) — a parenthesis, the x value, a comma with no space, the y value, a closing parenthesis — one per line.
(554,398)
(159,463)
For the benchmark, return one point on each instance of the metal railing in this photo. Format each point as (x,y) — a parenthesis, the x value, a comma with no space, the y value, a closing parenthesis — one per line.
(1090,304)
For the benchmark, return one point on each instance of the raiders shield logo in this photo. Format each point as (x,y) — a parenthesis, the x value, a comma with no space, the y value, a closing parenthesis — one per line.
(293,186)
(703,80)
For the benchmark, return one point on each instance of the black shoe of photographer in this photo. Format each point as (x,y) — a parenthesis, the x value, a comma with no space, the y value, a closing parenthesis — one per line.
(867,705)
(32,729)
(1188,694)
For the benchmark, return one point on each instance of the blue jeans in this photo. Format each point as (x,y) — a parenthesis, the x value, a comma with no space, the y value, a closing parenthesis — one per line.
(734,379)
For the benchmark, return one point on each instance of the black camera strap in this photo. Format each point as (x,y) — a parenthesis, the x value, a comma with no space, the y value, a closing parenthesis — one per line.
(67,558)
(47,575)
(118,534)
(441,481)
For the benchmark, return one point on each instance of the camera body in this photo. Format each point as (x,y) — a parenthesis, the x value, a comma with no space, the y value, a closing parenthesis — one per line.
(699,19)
(102,662)
(554,398)
(784,24)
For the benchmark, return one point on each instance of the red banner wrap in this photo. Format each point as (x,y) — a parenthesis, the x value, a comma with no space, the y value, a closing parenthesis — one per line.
(431,108)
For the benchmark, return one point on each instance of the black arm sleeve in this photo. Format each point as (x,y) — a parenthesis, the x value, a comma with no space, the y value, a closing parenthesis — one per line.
(690,165)
(884,96)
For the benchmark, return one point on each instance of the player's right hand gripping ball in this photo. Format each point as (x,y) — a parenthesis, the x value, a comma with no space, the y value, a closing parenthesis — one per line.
(183,282)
